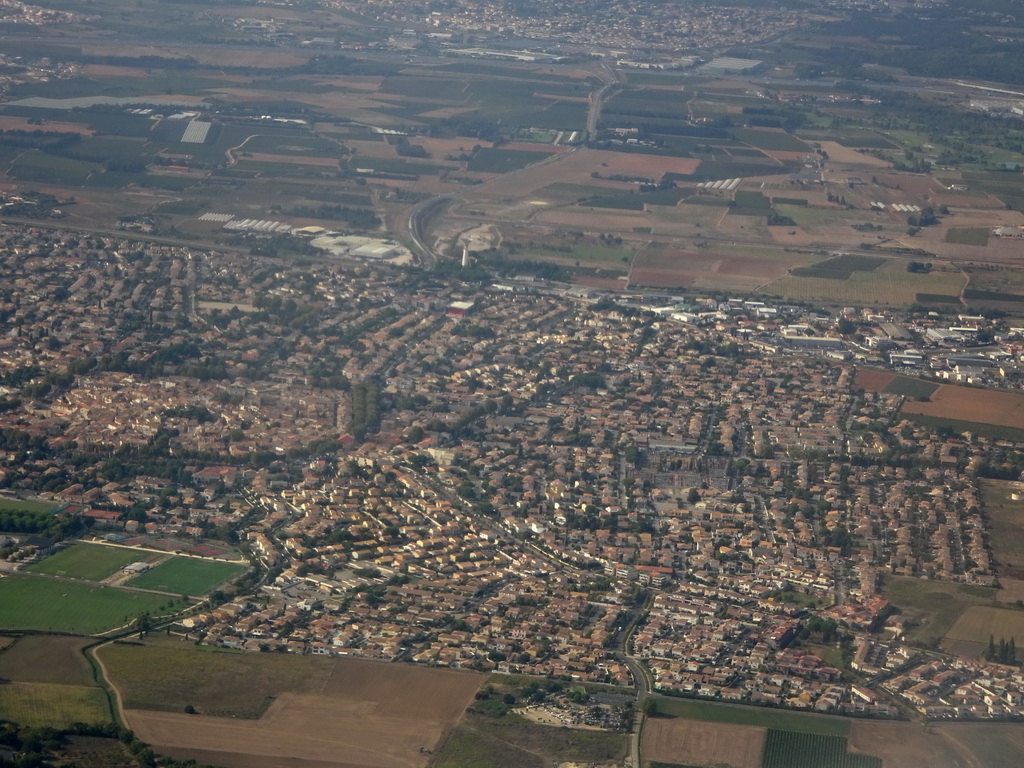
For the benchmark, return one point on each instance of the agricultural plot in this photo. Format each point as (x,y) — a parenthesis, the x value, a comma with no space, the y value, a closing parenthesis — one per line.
(490,160)
(692,742)
(46,659)
(934,605)
(511,741)
(760,138)
(786,749)
(346,712)
(30,602)
(978,623)
(48,704)
(1004,409)
(889,284)
(915,388)
(186,576)
(1006,520)
(92,562)
(761,717)
(840,267)
(967,235)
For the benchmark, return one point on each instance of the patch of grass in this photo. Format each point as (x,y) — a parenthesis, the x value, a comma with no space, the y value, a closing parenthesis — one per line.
(749,715)
(1006,526)
(93,562)
(48,704)
(30,602)
(937,298)
(214,682)
(187,576)
(933,605)
(839,267)
(770,140)
(29,505)
(904,385)
(752,200)
(967,235)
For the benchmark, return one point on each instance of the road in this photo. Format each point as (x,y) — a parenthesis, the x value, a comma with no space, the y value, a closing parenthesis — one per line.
(641,679)
(613,83)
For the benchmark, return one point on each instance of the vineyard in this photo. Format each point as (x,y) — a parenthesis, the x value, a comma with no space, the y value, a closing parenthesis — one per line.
(790,749)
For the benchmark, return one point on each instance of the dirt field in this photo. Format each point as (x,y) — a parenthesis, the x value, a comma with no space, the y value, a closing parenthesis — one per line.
(873,381)
(47,659)
(22,124)
(906,745)
(695,742)
(369,715)
(981,405)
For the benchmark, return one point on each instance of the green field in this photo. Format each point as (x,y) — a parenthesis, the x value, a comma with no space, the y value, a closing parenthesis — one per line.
(759,716)
(904,385)
(967,235)
(29,602)
(785,749)
(46,704)
(489,160)
(93,562)
(934,606)
(187,576)
(29,505)
(993,431)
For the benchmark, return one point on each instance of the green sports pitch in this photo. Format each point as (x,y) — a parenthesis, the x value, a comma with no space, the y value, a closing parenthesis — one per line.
(93,562)
(187,575)
(33,602)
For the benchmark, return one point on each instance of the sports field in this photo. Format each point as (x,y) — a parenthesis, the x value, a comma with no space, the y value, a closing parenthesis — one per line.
(186,576)
(93,562)
(30,602)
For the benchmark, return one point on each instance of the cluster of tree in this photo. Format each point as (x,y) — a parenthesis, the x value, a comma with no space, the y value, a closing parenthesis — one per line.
(780,220)
(1003,652)
(365,414)
(919,267)
(45,523)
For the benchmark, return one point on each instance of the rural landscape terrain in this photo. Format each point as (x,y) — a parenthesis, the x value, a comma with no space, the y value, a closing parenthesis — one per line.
(511,385)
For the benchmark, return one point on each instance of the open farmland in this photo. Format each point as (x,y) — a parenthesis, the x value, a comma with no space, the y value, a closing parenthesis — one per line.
(787,749)
(693,742)
(934,605)
(49,704)
(978,623)
(186,576)
(889,284)
(940,745)
(511,741)
(1005,409)
(322,712)
(93,562)
(757,716)
(33,602)
(1006,525)
(46,659)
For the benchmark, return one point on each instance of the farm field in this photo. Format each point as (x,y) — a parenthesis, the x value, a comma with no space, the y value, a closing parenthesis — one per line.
(889,284)
(1006,520)
(322,712)
(910,387)
(186,576)
(757,716)
(940,745)
(511,741)
(92,562)
(692,742)
(978,623)
(936,605)
(786,749)
(50,704)
(46,659)
(31,602)
(1004,409)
